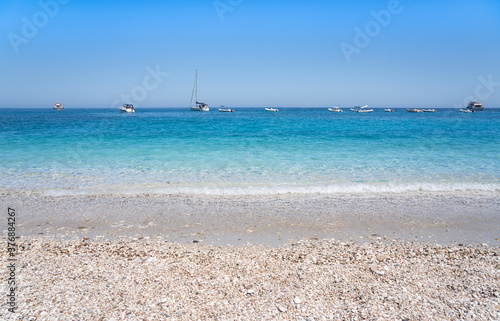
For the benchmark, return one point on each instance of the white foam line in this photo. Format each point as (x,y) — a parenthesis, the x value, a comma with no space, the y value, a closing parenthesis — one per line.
(358,188)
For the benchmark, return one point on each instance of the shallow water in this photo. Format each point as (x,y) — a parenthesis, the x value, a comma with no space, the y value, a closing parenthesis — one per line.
(250,151)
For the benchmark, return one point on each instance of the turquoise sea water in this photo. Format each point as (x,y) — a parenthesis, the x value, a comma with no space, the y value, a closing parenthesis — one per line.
(250,151)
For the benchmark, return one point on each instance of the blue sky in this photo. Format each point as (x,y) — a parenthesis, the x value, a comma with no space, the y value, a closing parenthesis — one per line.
(249,53)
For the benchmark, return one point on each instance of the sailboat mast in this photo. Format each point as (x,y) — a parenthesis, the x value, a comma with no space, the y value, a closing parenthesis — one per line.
(196,86)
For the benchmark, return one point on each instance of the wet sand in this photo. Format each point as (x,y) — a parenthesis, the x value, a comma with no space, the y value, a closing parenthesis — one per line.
(471,217)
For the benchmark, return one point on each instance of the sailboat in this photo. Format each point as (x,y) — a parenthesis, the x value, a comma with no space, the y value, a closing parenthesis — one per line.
(199,106)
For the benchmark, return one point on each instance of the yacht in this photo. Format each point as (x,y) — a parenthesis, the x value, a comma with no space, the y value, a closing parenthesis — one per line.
(389,110)
(58,106)
(414,110)
(475,106)
(272,109)
(127,108)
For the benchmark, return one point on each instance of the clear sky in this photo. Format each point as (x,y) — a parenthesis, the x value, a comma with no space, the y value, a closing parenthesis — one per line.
(389,53)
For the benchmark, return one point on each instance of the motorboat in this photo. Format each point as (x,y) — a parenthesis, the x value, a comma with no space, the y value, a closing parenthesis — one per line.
(475,106)
(467,111)
(389,110)
(226,110)
(199,106)
(127,108)
(431,110)
(272,109)
(361,109)
(58,106)
(336,109)
(414,110)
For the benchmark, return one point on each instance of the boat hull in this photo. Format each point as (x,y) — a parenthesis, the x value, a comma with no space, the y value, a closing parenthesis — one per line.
(200,109)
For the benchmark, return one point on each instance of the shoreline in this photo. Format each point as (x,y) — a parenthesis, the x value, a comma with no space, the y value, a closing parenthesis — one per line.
(272,220)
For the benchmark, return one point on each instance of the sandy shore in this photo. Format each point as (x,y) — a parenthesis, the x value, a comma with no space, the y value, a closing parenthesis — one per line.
(266,219)
(308,280)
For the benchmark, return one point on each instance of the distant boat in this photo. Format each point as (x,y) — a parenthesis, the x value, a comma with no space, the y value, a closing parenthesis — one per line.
(414,110)
(199,106)
(58,106)
(467,111)
(127,108)
(271,109)
(336,109)
(361,109)
(475,106)
(225,110)
(432,110)
(389,110)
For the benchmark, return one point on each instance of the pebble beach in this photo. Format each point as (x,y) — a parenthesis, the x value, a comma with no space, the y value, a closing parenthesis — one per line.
(307,280)
(424,256)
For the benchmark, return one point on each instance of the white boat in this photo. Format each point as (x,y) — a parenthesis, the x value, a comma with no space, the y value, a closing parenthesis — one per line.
(389,110)
(198,106)
(226,110)
(475,106)
(361,109)
(414,110)
(336,109)
(431,110)
(127,108)
(58,106)
(271,109)
(467,111)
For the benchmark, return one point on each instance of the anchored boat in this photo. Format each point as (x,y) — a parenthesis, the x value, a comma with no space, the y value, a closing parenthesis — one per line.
(225,110)
(336,109)
(127,108)
(475,106)
(198,106)
(361,109)
(58,106)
